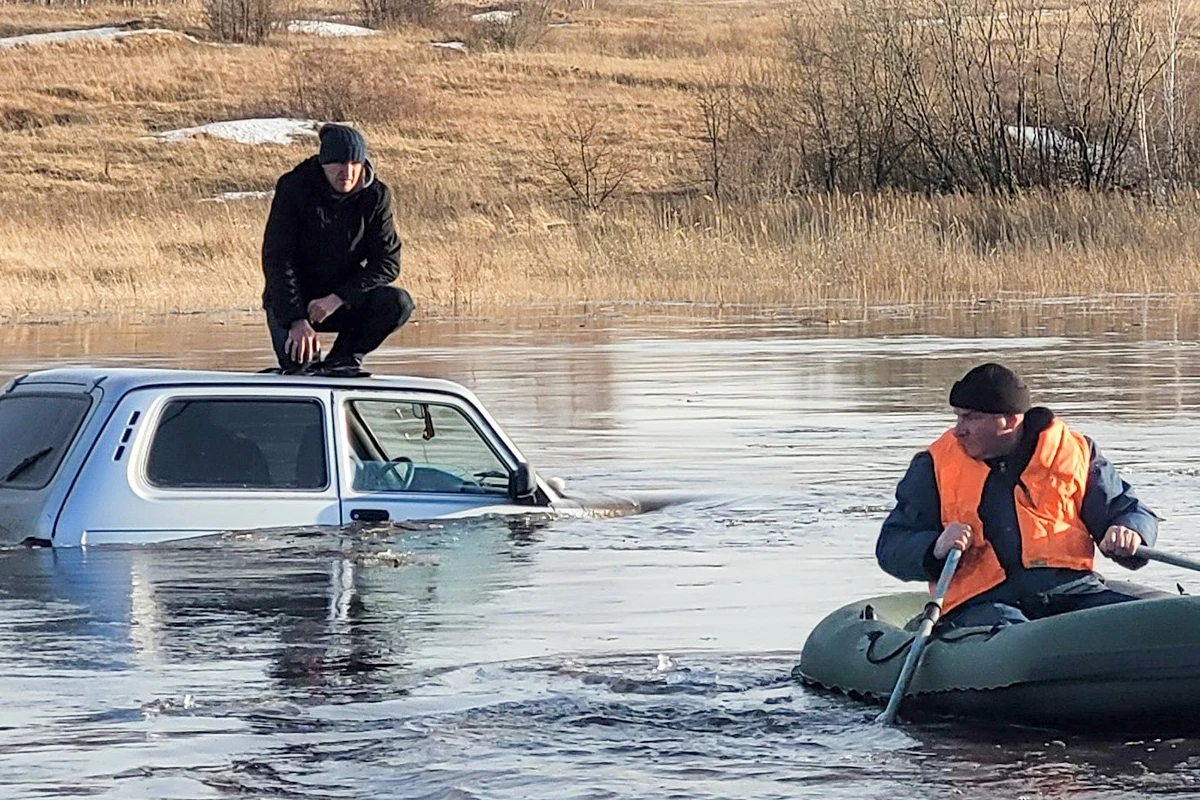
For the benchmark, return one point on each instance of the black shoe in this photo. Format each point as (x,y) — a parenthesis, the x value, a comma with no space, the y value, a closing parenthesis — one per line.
(290,369)
(340,368)
(300,369)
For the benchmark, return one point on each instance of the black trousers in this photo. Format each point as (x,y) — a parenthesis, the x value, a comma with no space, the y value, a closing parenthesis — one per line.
(1086,592)
(360,330)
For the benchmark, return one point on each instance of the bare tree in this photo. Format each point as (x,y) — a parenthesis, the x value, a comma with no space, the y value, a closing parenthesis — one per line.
(585,158)
(1174,105)
(715,108)
(396,13)
(241,21)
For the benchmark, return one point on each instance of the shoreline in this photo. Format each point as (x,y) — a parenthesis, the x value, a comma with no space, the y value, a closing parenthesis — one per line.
(829,314)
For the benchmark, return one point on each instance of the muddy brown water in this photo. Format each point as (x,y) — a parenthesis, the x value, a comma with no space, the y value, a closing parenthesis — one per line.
(647,656)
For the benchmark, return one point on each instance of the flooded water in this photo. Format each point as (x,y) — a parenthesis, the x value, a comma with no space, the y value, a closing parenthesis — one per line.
(647,656)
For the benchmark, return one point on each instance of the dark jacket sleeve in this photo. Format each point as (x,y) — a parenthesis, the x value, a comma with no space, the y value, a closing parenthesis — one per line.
(905,546)
(383,253)
(1109,500)
(282,296)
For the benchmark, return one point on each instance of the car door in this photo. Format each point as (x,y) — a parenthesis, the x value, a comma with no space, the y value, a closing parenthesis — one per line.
(175,463)
(418,455)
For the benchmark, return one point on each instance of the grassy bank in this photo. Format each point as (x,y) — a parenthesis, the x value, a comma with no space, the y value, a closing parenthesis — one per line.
(95,217)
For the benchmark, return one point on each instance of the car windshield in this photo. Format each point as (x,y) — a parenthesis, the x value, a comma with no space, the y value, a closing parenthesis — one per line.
(421,447)
(37,430)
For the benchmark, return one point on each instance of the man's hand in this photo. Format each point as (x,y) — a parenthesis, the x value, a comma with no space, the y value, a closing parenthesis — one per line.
(302,344)
(322,308)
(956,536)
(1120,541)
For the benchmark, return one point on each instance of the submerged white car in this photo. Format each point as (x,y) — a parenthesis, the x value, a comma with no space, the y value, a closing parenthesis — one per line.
(90,456)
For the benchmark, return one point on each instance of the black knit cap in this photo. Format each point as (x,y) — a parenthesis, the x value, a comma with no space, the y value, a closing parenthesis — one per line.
(992,389)
(341,144)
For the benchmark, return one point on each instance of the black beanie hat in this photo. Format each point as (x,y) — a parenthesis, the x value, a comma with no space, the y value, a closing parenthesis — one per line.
(341,144)
(992,389)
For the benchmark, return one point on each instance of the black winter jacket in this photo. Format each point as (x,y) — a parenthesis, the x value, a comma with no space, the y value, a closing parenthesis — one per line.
(319,242)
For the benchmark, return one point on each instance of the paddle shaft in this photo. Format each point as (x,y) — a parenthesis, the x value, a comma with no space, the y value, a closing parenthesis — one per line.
(1168,558)
(933,610)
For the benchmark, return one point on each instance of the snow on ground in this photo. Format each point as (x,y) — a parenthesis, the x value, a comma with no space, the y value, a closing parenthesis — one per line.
(271,130)
(233,197)
(494,16)
(1042,138)
(88,34)
(1052,143)
(327,28)
(459,46)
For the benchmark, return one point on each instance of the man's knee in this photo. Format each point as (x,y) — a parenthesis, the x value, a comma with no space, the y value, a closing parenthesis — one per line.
(391,304)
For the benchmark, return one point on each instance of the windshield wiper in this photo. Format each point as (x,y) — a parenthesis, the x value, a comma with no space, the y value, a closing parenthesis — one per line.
(27,462)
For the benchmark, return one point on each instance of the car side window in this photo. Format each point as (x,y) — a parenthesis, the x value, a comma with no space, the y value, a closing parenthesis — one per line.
(420,447)
(231,443)
(36,430)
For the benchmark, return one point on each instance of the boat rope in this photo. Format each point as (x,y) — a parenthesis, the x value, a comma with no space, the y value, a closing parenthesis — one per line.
(967,634)
(948,636)
(875,636)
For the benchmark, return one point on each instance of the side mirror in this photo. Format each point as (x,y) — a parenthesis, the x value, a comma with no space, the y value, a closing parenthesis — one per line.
(522,483)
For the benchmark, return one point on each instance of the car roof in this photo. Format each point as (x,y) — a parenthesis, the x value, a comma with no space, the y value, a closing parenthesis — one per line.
(124,379)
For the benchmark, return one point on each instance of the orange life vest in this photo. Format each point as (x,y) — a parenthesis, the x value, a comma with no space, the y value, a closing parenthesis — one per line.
(1048,499)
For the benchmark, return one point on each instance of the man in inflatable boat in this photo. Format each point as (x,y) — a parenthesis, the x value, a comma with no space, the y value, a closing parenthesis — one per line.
(1024,497)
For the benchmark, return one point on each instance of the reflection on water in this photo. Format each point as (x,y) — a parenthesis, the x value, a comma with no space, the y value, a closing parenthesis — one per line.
(637,657)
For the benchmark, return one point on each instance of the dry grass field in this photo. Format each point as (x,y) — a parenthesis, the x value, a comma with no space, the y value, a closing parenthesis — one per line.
(97,217)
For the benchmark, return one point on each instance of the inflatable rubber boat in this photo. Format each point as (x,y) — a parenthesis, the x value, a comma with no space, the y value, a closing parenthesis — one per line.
(1130,666)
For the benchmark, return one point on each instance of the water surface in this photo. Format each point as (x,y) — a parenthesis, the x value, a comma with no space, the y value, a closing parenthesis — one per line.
(625,658)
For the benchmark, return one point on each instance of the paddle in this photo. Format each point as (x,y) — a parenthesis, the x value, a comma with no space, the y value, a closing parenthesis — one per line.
(1167,558)
(929,618)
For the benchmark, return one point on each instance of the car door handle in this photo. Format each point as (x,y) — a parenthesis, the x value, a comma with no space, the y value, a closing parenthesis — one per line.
(369,514)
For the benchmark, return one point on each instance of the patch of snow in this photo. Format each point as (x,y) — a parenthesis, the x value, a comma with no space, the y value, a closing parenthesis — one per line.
(270,130)
(495,16)
(230,197)
(88,34)
(318,28)
(1051,143)
(459,46)
(1038,137)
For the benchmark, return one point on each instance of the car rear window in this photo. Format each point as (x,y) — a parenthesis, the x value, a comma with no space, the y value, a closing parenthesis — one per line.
(36,430)
(239,444)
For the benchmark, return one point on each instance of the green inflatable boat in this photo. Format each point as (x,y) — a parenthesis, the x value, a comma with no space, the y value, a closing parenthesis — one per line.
(1130,667)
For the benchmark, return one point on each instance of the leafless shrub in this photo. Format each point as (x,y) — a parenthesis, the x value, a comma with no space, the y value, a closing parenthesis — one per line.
(240,21)
(398,13)
(333,85)
(585,160)
(750,137)
(715,110)
(520,25)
